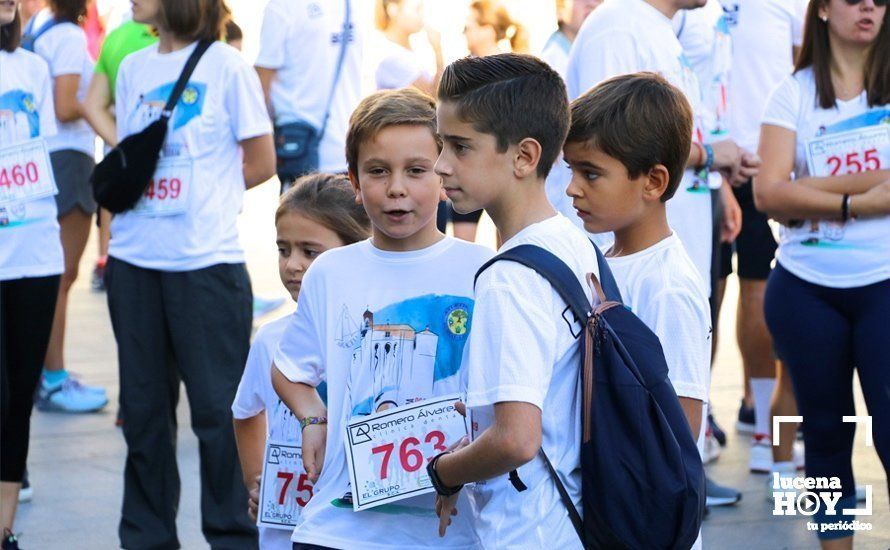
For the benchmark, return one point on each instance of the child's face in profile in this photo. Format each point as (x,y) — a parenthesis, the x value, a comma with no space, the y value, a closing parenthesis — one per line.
(300,240)
(398,187)
(605,197)
(475,174)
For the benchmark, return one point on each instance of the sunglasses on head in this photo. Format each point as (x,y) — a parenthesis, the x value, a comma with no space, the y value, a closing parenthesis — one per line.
(878,3)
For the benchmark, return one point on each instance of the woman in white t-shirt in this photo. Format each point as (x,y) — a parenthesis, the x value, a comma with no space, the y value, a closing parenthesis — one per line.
(30,250)
(570,14)
(825,143)
(178,290)
(401,66)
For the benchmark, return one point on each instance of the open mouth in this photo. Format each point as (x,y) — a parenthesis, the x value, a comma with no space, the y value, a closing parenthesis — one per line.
(396,214)
(865,24)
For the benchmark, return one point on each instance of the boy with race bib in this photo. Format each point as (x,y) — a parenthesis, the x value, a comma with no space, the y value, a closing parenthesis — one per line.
(178,290)
(30,249)
(384,323)
(317,214)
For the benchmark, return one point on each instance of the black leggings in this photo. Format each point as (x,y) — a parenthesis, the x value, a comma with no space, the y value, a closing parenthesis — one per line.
(26,318)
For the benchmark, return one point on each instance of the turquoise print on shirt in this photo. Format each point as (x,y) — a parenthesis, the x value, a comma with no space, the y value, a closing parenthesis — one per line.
(190,104)
(404,352)
(19,106)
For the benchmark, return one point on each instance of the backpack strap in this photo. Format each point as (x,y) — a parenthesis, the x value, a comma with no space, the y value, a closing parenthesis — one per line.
(606,287)
(184,77)
(577,522)
(344,42)
(29,37)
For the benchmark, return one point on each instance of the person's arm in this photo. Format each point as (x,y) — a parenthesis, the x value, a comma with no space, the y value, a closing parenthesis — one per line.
(68,109)
(96,109)
(780,197)
(692,408)
(259,160)
(303,400)
(731,224)
(266,77)
(250,438)
(854,184)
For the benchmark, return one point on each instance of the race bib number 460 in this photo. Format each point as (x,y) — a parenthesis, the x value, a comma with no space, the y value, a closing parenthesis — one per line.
(284,487)
(388,451)
(860,150)
(168,192)
(25,172)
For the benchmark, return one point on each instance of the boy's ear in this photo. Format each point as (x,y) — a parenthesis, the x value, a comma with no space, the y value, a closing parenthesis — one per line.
(353,179)
(528,155)
(657,181)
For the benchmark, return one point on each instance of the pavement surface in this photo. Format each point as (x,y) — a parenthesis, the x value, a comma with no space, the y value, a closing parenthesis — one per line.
(76,461)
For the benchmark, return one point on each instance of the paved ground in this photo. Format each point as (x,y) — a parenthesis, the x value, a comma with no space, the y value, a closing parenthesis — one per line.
(76,462)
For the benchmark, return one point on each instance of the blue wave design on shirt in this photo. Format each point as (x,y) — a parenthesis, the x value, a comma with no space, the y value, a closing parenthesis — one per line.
(189,106)
(871,118)
(20,101)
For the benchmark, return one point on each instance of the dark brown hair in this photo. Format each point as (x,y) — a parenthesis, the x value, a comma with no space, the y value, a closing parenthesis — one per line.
(512,97)
(388,108)
(233,31)
(329,200)
(68,10)
(11,33)
(638,119)
(195,19)
(815,52)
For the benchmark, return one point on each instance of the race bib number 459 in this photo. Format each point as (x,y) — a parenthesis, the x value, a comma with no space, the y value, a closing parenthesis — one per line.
(851,152)
(25,172)
(388,451)
(168,192)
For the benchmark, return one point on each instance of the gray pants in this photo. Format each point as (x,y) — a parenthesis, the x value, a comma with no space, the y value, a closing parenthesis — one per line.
(194,326)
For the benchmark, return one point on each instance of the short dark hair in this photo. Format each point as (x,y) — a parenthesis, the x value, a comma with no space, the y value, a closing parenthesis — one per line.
(11,33)
(195,19)
(68,10)
(639,119)
(329,199)
(815,52)
(513,97)
(406,106)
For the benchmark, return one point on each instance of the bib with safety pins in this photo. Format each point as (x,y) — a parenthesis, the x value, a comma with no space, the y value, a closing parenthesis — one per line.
(851,152)
(168,192)
(25,172)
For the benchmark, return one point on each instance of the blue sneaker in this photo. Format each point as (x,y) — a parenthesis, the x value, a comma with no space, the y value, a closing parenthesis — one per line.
(718,495)
(68,396)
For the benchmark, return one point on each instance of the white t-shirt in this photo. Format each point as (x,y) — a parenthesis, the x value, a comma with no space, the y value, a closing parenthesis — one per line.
(29,231)
(828,252)
(763,34)
(525,347)
(255,395)
(64,47)
(556,52)
(663,288)
(363,311)
(222,105)
(641,38)
(301,40)
(399,67)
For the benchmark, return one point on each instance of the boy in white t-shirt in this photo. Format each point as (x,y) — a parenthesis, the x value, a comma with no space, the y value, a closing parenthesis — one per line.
(503,119)
(317,214)
(627,147)
(384,323)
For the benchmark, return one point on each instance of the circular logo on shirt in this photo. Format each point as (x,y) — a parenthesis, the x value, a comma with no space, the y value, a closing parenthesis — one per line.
(457,319)
(190,95)
(28,104)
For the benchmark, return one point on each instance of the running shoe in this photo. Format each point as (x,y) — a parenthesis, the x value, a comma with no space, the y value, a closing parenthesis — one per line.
(761,459)
(68,396)
(97,281)
(745,422)
(798,457)
(712,448)
(263,306)
(718,432)
(10,542)
(26,493)
(718,495)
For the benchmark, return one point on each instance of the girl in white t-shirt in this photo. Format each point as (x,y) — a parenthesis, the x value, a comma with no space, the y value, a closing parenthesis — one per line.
(401,66)
(30,250)
(318,213)
(825,143)
(178,290)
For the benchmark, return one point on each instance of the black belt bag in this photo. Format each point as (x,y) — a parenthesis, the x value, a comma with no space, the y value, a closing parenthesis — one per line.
(296,146)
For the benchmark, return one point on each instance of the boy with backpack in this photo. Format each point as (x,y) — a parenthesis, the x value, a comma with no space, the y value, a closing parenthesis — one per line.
(627,145)
(561,437)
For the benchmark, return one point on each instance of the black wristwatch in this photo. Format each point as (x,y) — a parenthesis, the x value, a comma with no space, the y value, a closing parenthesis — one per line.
(440,488)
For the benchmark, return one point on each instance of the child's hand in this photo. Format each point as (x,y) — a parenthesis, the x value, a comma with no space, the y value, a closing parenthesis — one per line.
(315,437)
(253,500)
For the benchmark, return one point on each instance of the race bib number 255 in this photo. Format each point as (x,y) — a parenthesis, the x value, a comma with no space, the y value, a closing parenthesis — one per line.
(852,152)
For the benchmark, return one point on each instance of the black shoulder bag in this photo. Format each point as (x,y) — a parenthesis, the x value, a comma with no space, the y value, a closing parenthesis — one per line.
(126,171)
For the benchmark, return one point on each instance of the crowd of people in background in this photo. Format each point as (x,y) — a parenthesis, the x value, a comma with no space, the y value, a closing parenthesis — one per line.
(688,139)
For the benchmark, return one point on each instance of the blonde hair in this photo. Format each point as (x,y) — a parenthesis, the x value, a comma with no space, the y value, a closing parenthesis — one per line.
(493,14)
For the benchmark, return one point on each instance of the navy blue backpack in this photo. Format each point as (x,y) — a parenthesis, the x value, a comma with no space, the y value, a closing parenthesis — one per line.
(643,483)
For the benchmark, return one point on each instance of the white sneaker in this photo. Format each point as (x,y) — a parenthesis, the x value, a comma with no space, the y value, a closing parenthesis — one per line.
(761,459)
(770,483)
(798,458)
(712,449)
